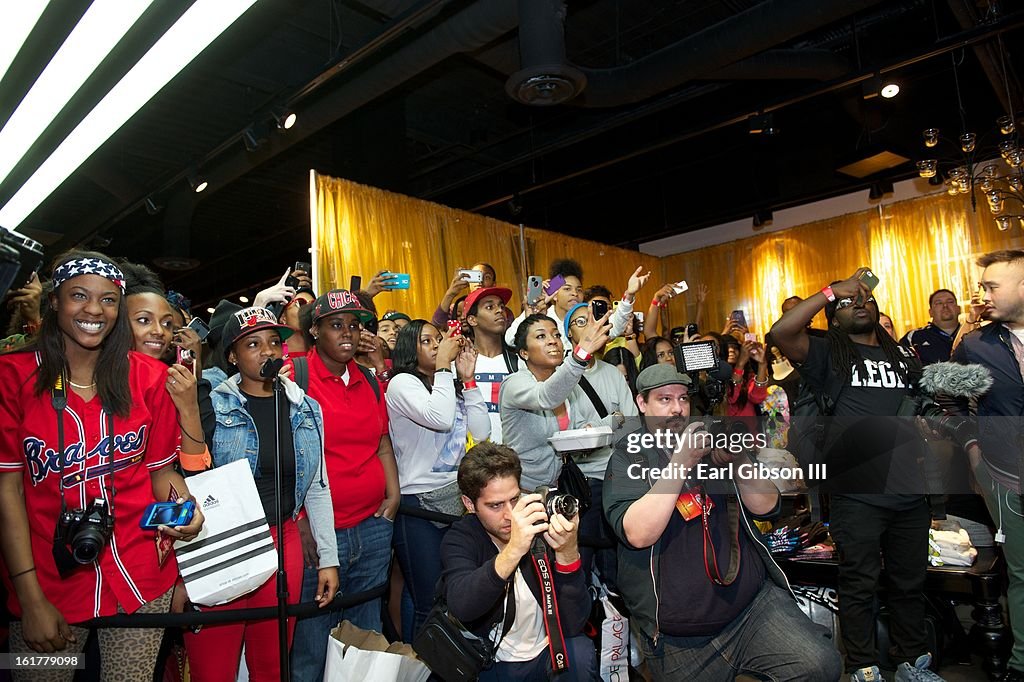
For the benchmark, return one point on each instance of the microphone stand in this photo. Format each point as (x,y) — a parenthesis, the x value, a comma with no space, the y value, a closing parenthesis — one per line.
(270,369)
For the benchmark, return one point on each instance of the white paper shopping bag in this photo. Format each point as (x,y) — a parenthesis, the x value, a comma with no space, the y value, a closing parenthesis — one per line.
(358,655)
(234,554)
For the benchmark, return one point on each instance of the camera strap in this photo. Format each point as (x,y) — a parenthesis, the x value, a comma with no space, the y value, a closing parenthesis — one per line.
(59,400)
(549,605)
(711,567)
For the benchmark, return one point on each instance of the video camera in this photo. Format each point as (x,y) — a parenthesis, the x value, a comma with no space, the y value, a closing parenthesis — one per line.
(699,361)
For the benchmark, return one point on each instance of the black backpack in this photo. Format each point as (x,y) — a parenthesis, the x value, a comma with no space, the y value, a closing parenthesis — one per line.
(300,375)
(810,420)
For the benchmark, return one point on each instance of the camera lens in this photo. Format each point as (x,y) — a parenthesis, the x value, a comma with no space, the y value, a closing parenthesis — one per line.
(566,505)
(86,545)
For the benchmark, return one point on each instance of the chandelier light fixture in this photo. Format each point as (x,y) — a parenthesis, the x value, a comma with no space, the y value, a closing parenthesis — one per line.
(996,170)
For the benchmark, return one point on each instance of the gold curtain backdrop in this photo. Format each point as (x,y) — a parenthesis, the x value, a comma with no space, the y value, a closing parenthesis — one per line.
(360,230)
(914,247)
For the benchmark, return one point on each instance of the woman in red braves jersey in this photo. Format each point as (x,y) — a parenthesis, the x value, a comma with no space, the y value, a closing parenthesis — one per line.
(86,424)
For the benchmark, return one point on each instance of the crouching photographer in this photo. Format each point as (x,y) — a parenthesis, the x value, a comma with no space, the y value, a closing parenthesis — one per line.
(512,573)
(704,593)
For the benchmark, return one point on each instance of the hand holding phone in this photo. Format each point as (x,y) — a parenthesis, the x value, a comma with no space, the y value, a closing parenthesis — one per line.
(599,307)
(472,276)
(556,283)
(534,289)
(869,278)
(739,318)
(169,514)
(396,280)
(679,287)
(200,328)
(455,325)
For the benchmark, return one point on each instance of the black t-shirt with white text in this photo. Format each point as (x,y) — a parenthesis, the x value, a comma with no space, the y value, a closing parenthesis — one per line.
(867,456)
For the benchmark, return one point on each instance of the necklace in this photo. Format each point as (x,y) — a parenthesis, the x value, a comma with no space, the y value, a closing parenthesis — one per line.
(85,387)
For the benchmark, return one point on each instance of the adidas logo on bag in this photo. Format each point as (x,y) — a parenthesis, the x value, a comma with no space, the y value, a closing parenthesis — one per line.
(210,501)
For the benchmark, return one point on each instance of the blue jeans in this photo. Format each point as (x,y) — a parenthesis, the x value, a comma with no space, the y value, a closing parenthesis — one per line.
(364,555)
(772,639)
(582,665)
(418,550)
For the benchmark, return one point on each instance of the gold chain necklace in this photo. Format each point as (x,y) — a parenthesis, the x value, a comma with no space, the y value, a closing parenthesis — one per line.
(85,387)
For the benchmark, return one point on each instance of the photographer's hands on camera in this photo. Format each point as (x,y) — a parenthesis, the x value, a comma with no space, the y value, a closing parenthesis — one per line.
(530,519)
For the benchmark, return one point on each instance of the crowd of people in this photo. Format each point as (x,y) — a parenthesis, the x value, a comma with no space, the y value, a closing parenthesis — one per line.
(113,397)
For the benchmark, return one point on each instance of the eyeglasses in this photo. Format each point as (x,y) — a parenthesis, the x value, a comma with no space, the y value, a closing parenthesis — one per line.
(579,322)
(847,302)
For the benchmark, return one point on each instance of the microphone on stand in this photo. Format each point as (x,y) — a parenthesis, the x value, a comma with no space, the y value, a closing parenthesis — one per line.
(271,367)
(269,370)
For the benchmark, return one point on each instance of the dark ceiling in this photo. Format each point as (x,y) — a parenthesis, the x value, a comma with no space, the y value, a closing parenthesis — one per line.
(411,97)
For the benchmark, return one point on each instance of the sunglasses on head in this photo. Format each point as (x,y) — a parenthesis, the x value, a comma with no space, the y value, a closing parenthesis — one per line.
(847,302)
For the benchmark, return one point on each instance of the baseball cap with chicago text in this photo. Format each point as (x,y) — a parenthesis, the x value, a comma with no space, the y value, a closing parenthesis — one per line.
(340,301)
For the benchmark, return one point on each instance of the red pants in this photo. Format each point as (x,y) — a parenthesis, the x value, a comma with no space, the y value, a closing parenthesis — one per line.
(215,652)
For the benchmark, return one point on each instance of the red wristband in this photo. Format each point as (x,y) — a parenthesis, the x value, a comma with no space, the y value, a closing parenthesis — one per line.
(569,568)
(828,293)
(467,385)
(582,355)
(656,303)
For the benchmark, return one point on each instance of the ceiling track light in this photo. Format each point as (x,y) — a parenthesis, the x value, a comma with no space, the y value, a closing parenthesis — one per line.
(152,207)
(284,118)
(251,141)
(762,124)
(876,86)
(763,217)
(880,189)
(197,182)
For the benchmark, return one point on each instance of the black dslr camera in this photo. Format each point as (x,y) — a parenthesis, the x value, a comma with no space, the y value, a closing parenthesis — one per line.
(558,503)
(86,531)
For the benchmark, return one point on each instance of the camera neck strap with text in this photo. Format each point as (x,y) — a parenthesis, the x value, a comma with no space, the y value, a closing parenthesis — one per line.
(59,400)
(710,555)
(549,605)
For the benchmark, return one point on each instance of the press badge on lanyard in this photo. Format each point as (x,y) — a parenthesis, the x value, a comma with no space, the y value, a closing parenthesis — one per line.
(691,504)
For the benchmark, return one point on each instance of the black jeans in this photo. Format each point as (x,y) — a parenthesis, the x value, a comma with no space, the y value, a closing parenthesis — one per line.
(864,534)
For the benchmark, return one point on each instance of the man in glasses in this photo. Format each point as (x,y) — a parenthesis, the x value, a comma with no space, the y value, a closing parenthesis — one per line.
(878,507)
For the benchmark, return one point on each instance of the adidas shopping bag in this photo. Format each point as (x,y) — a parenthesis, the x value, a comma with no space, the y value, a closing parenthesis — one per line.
(234,554)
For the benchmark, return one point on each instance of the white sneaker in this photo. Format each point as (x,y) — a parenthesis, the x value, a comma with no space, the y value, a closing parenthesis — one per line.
(918,673)
(871,674)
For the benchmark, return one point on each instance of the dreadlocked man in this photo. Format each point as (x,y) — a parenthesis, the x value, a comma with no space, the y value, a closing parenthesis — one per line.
(877,506)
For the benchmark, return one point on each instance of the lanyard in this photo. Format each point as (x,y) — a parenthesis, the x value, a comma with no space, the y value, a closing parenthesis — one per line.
(549,606)
(59,400)
(711,568)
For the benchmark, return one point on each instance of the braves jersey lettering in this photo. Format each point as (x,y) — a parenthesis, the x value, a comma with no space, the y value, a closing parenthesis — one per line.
(43,460)
(879,374)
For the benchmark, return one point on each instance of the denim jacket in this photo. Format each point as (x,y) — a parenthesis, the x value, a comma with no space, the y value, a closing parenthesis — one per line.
(235,437)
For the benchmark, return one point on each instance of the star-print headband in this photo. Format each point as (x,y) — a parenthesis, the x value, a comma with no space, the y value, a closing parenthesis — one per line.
(88,266)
